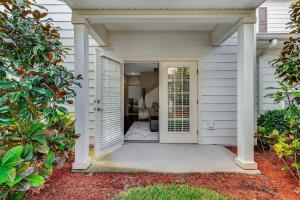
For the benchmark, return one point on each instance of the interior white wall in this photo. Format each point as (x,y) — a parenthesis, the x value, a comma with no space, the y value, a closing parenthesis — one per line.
(134,92)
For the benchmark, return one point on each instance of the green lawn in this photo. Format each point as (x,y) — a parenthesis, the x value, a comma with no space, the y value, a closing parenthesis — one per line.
(170,192)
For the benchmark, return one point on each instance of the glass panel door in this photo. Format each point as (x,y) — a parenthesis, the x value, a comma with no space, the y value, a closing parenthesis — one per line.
(178,99)
(178,102)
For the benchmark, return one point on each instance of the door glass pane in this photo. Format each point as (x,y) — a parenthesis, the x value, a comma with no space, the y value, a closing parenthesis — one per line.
(178,99)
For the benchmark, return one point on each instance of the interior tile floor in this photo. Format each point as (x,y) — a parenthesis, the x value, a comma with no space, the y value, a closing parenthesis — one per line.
(140,131)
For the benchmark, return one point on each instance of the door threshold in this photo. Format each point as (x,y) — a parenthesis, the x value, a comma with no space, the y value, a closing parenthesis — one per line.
(141,141)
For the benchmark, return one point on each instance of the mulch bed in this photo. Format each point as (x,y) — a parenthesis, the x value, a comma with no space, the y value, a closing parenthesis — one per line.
(272,184)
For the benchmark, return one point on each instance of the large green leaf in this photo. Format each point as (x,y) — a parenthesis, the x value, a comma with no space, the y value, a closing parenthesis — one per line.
(13,156)
(12,174)
(6,84)
(296,144)
(36,180)
(28,152)
(36,128)
(4,109)
(26,84)
(51,158)
(17,180)
(41,90)
(4,175)
(296,94)
(13,162)
(5,122)
(40,138)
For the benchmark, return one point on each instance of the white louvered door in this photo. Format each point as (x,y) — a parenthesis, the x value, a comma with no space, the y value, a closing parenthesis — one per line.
(178,102)
(108,104)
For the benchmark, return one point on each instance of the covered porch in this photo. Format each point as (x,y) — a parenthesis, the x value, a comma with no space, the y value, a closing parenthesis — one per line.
(168,158)
(112,23)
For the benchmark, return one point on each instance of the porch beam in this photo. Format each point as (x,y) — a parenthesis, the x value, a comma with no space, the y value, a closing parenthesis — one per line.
(246,95)
(81,45)
(222,33)
(98,32)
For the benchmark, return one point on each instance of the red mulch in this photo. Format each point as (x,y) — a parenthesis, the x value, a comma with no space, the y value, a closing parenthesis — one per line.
(272,184)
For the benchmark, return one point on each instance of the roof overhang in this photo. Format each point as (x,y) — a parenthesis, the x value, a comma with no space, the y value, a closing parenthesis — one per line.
(164,4)
(219,17)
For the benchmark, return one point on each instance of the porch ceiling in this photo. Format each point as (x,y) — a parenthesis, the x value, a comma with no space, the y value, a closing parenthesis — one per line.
(164,4)
(206,15)
(160,24)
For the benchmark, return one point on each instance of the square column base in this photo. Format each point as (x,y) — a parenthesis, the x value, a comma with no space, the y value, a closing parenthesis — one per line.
(81,165)
(246,165)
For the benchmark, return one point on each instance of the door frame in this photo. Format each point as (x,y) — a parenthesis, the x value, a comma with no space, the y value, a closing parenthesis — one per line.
(100,52)
(190,137)
(199,82)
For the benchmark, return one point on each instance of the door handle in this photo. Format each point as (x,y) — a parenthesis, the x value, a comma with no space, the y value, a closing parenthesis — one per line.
(98,109)
(97,101)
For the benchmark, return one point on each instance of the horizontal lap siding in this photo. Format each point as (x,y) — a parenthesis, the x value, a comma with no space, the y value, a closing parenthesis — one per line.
(218,73)
(267,79)
(219,95)
(278,15)
(61,15)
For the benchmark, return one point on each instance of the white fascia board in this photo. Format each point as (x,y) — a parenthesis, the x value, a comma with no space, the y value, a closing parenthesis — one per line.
(164,4)
(271,36)
(264,40)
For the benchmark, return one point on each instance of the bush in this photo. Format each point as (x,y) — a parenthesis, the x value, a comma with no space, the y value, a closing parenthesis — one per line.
(164,192)
(273,119)
(268,122)
(36,130)
(287,66)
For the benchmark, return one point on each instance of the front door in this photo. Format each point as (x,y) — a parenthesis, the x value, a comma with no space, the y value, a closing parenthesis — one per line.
(178,102)
(108,104)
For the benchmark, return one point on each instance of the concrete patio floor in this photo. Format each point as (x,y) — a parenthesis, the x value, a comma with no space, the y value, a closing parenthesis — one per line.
(168,158)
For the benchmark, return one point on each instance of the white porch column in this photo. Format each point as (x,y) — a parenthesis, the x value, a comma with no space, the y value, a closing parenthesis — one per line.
(246,95)
(82,159)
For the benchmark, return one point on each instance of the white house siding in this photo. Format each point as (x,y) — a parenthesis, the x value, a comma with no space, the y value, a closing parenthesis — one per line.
(267,79)
(278,15)
(61,14)
(218,65)
(218,73)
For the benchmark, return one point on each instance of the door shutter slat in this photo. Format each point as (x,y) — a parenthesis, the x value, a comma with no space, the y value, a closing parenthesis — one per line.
(108,92)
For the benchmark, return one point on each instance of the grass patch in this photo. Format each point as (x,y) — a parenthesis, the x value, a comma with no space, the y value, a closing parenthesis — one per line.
(169,192)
